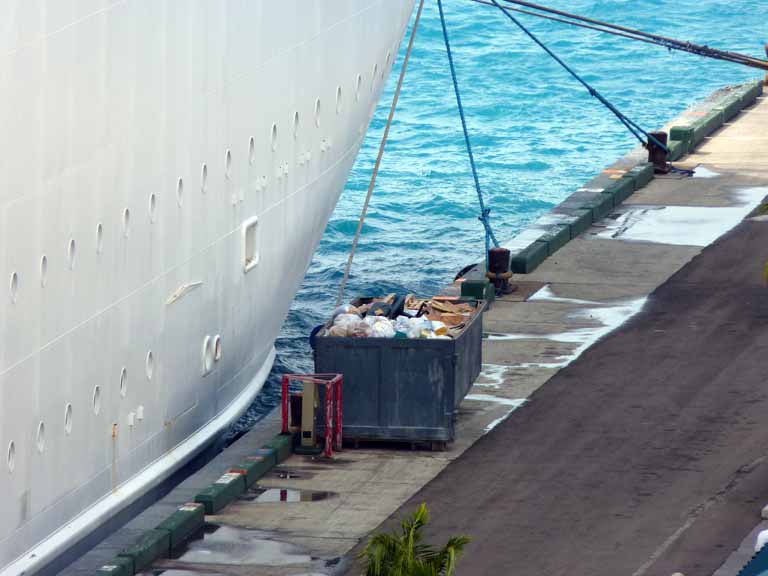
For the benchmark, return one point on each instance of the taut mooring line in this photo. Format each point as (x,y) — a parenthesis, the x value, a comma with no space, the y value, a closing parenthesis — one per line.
(383,144)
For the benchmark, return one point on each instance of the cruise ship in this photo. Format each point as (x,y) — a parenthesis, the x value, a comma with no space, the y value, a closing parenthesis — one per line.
(167,168)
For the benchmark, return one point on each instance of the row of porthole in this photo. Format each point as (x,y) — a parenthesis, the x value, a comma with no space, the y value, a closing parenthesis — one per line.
(211,347)
(283,170)
(68,418)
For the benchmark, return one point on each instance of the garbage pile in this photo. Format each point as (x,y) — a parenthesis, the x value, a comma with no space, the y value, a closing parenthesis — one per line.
(390,316)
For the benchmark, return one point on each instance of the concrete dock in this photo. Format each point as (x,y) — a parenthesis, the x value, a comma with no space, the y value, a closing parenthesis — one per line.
(615,429)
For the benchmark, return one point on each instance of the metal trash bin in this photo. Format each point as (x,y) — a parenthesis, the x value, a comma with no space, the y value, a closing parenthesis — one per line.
(403,389)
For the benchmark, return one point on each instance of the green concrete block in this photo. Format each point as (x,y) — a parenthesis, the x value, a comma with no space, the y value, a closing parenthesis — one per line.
(119,566)
(621,189)
(474,288)
(556,237)
(750,92)
(153,545)
(183,523)
(642,174)
(282,445)
(730,107)
(529,258)
(267,453)
(601,205)
(582,221)
(216,496)
(255,467)
(682,134)
(676,150)
(706,125)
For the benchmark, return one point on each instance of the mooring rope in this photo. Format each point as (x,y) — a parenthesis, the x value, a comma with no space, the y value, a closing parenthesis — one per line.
(485,213)
(632,126)
(380,155)
(607,27)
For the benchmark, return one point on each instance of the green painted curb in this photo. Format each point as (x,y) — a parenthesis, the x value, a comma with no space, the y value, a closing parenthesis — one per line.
(154,544)
(183,523)
(254,467)
(750,92)
(582,221)
(282,444)
(119,566)
(621,189)
(642,174)
(706,125)
(216,496)
(474,288)
(477,289)
(557,237)
(676,150)
(730,107)
(529,258)
(682,134)
(601,206)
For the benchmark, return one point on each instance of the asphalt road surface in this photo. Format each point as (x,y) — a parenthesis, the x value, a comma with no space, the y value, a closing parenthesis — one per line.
(647,456)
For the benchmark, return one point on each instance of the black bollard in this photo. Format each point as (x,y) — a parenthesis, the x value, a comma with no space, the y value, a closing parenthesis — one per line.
(498,270)
(658,155)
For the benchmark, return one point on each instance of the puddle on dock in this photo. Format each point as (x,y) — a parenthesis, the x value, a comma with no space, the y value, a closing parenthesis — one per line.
(284,495)
(231,546)
(681,225)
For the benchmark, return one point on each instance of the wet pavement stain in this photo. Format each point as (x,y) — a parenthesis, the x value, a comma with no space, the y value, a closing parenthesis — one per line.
(290,473)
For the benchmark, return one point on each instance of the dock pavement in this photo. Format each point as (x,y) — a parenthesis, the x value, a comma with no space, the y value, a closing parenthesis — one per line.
(616,428)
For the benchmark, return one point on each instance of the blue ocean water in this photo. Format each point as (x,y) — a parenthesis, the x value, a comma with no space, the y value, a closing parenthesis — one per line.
(536,133)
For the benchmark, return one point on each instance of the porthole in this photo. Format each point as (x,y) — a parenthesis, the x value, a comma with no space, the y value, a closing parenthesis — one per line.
(274,137)
(180,192)
(97,399)
(14,287)
(43,270)
(152,207)
(217,348)
(339,100)
(251,150)
(99,238)
(228,165)
(150,365)
(317,112)
(71,253)
(126,222)
(296,125)
(123,382)
(40,437)
(207,355)
(204,178)
(358,85)
(374,76)
(68,419)
(11,456)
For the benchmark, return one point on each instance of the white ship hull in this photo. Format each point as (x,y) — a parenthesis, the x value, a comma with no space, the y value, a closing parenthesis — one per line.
(167,169)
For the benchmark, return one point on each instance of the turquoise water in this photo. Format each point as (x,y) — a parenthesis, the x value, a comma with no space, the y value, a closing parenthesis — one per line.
(537,136)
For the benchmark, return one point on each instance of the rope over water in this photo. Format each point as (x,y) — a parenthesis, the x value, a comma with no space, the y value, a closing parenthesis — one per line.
(485,213)
(632,126)
(633,34)
(380,155)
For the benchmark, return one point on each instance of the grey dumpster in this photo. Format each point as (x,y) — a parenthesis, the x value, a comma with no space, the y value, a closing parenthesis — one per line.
(405,390)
